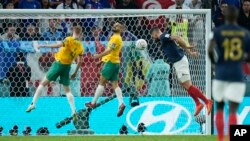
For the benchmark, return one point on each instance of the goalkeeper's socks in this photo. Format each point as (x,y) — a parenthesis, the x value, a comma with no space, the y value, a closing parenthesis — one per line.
(98,92)
(37,94)
(196,92)
(118,93)
(219,122)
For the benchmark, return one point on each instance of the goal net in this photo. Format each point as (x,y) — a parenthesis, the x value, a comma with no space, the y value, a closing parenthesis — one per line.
(153,96)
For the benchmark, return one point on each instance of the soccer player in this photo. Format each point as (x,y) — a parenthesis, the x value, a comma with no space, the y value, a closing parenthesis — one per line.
(173,47)
(228,46)
(71,48)
(110,70)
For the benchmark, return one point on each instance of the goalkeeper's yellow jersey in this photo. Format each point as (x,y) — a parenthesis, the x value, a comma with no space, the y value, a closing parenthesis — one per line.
(71,49)
(115,43)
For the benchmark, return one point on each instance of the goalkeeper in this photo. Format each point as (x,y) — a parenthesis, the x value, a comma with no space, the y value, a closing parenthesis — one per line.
(173,47)
(71,49)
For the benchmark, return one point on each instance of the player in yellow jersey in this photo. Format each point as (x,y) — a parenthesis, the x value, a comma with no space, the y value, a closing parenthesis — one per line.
(71,48)
(110,70)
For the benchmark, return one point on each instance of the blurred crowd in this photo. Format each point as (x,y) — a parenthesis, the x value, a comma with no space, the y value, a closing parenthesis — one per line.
(56,29)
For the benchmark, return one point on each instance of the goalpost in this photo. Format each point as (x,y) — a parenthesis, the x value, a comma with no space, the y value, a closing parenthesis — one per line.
(164,108)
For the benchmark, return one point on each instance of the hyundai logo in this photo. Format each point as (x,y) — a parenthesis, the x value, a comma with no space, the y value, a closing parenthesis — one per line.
(160,117)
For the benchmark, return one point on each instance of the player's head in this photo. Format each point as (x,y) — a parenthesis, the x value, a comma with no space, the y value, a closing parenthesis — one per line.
(77,31)
(231,14)
(223,6)
(246,6)
(117,28)
(155,33)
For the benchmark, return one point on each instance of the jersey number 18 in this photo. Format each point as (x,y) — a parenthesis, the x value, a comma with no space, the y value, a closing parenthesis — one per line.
(232,49)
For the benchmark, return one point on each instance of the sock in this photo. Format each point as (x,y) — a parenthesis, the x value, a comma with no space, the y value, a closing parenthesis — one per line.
(196,92)
(231,121)
(219,122)
(196,99)
(118,93)
(70,98)
(37,94)
(99,91)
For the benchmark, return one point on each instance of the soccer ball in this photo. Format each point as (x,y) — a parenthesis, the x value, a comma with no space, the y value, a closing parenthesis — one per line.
(141,44)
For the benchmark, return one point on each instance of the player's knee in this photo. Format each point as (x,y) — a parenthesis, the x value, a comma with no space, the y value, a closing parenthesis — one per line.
(220,106)
(102,81)
(45,82)
(115,84)
(66,89)
(233,107)
(186,84)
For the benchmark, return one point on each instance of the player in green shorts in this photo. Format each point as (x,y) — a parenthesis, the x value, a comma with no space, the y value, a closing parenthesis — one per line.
(71,48)
(110,70)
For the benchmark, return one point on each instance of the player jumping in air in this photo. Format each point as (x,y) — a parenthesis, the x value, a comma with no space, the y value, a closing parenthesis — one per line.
(228,46)
(110,70)
(173,47)
(71,48)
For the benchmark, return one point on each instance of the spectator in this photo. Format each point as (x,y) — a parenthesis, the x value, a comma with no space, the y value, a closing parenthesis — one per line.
(67,4)
(19,76)
(10,33)
(195,4)
(81,4)
(30,34)
(126,4)
(218,18)
(107,3)
(94,4)
(29,4)
(178,5)
(45,4)
(4,22)
(55,3)
(206,4)
(244,17)
(53,34)
(235,3)
(9,5)
(96,35)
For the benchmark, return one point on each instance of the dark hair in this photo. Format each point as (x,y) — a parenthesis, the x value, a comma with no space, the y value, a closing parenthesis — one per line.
(154,29)
(245,1)
(231,13)
(7,3)
(223,2)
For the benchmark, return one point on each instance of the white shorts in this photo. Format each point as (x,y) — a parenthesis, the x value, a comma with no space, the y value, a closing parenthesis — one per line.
(231,91)
(182,69)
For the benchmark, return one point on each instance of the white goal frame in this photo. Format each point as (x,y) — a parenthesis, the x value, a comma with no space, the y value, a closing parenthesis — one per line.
(141,12)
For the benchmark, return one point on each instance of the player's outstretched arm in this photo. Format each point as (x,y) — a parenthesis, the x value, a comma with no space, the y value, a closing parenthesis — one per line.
(57,45)
(181,42)
(106,52)
(79,63)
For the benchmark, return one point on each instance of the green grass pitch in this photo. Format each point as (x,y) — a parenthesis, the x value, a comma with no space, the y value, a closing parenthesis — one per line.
(109,138)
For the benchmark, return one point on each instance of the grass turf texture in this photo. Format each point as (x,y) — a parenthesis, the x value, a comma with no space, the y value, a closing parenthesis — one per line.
(109,138)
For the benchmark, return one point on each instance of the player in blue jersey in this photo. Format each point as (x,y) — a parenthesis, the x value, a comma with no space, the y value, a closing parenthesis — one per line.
(174,48)
(228,46)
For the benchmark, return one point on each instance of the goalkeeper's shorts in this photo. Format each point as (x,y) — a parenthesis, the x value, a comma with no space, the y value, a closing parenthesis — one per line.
(57,69)
(110,71)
